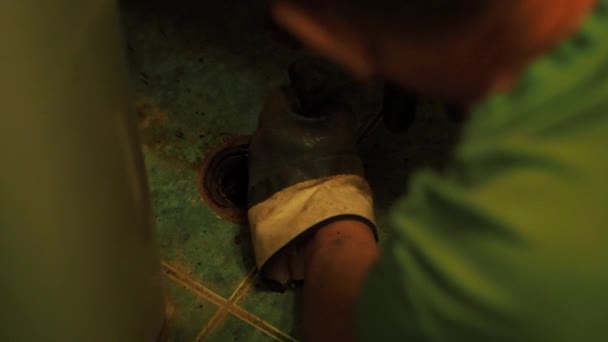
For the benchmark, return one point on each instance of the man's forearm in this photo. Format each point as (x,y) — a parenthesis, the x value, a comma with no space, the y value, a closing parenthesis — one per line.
(338,258)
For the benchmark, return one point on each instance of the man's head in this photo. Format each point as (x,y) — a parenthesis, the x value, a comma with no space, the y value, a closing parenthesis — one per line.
(460,50)
(397,15)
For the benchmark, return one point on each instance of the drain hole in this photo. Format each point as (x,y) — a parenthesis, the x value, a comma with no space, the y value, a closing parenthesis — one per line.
(222,180)
(226,178)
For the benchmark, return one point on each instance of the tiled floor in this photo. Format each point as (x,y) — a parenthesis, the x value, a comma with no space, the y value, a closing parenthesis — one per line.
(200,71)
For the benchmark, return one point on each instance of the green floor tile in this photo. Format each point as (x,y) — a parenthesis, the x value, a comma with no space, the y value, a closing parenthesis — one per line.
(234,329)
(205,67)
(282,310)
(190,235)
(189,313)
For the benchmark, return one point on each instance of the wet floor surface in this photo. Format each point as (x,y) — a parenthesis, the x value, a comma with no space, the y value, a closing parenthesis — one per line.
(201,71)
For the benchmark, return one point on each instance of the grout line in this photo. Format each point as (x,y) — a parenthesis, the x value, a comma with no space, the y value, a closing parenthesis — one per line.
(194,286)
(226,307)
(220,316)
(244,286)
(260,324)
(250,318)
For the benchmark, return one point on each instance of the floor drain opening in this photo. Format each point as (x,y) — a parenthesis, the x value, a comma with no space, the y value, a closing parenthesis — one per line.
(222,181)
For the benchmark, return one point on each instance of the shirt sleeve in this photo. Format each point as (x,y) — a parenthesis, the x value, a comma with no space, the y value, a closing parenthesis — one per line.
(496,250)
(510,243)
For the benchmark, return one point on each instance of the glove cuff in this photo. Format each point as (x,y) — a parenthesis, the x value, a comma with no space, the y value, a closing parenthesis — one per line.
(278,222)
(293,174)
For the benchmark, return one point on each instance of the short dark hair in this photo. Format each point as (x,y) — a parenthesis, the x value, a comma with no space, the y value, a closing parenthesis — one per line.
(414,16)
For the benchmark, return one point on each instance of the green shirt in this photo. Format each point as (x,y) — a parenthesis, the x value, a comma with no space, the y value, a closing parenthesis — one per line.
(511,244)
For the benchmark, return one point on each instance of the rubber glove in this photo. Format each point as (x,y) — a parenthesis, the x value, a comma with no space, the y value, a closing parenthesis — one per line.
(304,173)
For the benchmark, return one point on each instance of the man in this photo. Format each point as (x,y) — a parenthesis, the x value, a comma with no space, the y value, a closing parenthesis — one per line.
(509,244)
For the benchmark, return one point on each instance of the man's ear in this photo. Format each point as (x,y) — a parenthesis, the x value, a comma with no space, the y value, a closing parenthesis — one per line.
(328,35)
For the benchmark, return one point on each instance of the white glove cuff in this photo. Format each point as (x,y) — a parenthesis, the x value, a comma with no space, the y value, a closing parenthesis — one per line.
(276,222)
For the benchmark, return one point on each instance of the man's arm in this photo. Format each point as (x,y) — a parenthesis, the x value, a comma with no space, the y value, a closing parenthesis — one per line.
(338,258)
